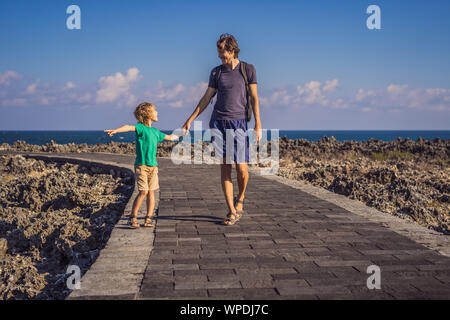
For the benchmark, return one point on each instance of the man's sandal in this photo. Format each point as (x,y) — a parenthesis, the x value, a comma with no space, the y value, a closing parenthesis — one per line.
(236,201)
(232,218)
(133,223)
(148,223)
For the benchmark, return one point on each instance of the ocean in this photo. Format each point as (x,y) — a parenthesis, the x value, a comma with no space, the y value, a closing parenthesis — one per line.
(94,137)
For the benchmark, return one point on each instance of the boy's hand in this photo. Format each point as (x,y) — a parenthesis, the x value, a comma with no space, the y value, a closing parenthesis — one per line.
(125,128)
(110,132)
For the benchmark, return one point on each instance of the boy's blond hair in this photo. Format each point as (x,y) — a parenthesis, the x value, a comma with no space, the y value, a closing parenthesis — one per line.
(143,110)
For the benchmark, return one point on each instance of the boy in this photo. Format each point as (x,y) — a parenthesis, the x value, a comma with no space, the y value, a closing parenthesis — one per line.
(146,166)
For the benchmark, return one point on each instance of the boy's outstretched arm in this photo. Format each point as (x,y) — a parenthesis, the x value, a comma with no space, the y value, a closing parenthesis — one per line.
(171,137)
(125,128)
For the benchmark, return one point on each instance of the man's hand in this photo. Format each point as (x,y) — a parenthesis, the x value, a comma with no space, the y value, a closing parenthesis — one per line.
(186,127)
(258,133)
(110,132)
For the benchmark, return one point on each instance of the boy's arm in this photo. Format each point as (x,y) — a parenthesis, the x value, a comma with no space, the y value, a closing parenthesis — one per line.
(125,128)
(171,137)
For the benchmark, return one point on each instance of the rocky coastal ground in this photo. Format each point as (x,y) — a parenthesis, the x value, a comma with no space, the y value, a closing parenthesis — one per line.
(53,215)
(409,179)
(406,178)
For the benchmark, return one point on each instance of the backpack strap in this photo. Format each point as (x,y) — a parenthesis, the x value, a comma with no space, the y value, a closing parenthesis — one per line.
(218,71)
(249,107)
(217,75)
(244,73)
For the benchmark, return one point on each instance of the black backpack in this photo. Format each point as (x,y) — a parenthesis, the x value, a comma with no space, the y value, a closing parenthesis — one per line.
(243,68)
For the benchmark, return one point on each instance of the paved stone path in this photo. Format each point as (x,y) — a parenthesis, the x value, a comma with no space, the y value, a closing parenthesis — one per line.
(289,245)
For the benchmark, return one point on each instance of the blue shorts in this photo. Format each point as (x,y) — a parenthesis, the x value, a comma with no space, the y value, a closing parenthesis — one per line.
(237,130)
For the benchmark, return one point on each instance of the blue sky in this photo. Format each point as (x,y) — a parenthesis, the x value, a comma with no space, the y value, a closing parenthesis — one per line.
(318,65)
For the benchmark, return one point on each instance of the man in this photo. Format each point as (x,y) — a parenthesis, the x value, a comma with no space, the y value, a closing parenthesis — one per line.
(230,113)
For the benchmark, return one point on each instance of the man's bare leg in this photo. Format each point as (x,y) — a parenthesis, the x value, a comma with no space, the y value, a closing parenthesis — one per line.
(242,179)
(227,185)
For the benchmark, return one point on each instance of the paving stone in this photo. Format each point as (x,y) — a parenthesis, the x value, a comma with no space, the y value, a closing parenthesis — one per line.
(192,277)
(230,265)
(156,293)
(186,261)
(130,296)
(207,285)
(304,290)
(157,284)
(374,295)
(222,277)
(258,282)
(227,294)
(433,267)
(290,283)
(342,263)
(304,296)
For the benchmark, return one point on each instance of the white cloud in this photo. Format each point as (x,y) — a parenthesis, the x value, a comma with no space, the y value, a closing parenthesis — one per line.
(176,104)
(113,88)
(84,98)
(309,94)
(117,86)
(69,85)
(15,102)
(396,89)
(394,96)
(7,76)
(31,89)
(167,94)
(363,94)
(400,97)
(331,86)
(176,96)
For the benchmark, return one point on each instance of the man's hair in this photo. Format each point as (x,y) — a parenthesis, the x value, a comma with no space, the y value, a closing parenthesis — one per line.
(230,43)
(142,112)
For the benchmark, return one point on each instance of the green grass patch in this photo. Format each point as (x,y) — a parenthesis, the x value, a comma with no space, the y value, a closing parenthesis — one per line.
(443,161)
(383,156)
(378,156)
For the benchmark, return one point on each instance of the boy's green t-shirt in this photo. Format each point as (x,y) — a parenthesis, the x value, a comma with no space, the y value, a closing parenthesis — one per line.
(147,139)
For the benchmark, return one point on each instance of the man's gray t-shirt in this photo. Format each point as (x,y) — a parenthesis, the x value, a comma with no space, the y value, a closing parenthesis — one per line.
(231,93)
